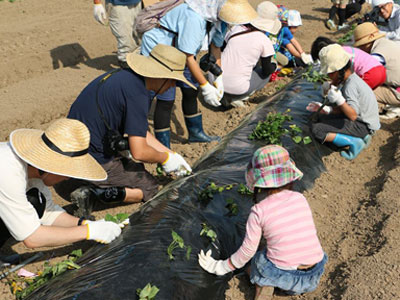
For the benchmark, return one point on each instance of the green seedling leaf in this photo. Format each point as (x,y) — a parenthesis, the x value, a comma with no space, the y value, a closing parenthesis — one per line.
(307,140)
(297,139)
(244,190)
(121,217)
(188,251)
(208,232)
(110,218)
(149,292)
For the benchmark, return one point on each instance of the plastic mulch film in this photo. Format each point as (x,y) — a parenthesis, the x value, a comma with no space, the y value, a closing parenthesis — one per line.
(139,255)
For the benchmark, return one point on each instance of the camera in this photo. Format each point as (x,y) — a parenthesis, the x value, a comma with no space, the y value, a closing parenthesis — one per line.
(114,142)
(208,63)
(372,16)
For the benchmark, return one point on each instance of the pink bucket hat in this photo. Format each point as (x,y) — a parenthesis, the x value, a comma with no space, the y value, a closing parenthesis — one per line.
(271,167)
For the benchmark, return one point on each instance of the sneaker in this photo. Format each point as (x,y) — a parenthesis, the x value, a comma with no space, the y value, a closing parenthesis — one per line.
(343,26)
(391,112)
(331,25)
(84,202)
(238,103)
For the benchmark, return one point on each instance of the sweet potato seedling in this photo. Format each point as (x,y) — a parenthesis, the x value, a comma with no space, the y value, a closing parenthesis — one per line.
(232,206)
(208,193)
(244,190)
(118,218)
(177,242)
(208,232)
(149,292)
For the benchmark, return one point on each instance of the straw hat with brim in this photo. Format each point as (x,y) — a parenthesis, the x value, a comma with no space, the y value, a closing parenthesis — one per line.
(163,62)
(61,149)
(237,12)
(267,19)
(271,167)
(366,33)
(333,58)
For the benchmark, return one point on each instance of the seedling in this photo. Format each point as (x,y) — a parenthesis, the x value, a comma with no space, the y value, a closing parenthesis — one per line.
(22,287)
(149,292)
(118,218)
(314,76)
(272,129)
(177,242)
(208,232)
(347,36)
(232,206)
(244,190)
(208,193)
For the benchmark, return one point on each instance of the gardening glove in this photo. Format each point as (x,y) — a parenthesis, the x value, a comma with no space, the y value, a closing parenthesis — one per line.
(102,231)
(211,94)
(219,84)
(314,106)
(325,88)
(99,13)
(335,96)
(121,224)
(218,267)
(176,163)
(306,58)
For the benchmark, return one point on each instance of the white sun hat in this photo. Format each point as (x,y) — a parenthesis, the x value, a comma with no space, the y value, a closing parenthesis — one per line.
(294,18)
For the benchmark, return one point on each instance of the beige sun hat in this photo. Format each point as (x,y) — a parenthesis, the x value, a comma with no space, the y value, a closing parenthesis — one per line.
(61,149)
(366,33)
(267,19)
(163,62)
(333,58)
(237,12)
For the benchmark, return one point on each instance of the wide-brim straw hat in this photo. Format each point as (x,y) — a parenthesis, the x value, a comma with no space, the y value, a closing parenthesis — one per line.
(237,12)
(333,58)
(163,62)
(61,149)
(271,167)
(267,19)
(366,33)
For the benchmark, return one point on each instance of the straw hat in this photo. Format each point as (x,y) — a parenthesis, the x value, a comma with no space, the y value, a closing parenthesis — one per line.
(333,58)
(366,33)
(61,149)
(237,12)
(271,167)
(163,62)
(294,18)
(267,19)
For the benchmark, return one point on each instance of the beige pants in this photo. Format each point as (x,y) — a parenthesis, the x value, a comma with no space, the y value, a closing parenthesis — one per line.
(122,23)
(386,95)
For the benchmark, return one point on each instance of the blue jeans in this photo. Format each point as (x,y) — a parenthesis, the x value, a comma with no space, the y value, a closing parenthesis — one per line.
(265,273)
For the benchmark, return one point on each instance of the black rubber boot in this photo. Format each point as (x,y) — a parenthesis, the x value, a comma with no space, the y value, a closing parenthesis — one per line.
(194,125)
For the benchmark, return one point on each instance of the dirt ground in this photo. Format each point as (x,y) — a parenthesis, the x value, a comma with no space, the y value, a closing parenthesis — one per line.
(52,50)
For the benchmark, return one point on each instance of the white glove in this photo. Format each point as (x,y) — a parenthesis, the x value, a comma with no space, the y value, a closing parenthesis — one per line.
(211,94)
(306,58)
(335,96)
(99,13)
(218,267)
(121,225)
(325,88)
(176,163)
(314,106)
(102,231)
(219,84)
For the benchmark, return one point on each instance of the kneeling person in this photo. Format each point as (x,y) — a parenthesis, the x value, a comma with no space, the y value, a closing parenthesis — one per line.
(118,103)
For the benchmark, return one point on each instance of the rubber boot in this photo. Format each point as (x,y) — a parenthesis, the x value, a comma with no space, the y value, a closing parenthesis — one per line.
(355,145)
(194,125)
(164,136)
(367,140)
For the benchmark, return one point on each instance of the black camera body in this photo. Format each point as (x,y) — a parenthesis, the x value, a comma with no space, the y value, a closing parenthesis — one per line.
(371,16)
(114,142)
(208,63)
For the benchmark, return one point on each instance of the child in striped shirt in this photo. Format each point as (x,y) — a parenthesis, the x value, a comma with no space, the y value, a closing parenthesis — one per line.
(294,260)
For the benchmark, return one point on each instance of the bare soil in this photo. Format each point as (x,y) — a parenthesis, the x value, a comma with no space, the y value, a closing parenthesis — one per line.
(52,50)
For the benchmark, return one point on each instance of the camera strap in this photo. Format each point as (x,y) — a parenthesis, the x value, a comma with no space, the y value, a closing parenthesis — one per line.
(108,75)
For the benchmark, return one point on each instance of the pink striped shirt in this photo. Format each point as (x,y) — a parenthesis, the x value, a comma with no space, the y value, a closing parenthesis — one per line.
(285,220)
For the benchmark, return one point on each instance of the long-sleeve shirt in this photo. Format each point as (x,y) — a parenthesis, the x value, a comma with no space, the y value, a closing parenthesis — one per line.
(392,30)
(285,220)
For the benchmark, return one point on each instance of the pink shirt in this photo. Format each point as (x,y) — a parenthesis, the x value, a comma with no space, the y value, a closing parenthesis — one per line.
(285,220)
(240,56)
(362,61)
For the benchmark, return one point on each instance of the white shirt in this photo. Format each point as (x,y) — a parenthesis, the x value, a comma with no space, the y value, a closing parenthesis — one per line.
(16,211)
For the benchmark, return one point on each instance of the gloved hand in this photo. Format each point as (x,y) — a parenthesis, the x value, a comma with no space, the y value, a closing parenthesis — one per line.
(314,106)
(102,231)
(176,163)
(121,225)
(219,84)
(218,267)
(211,94)
(306,58)
(335,96)
(99,13)
(325,88)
